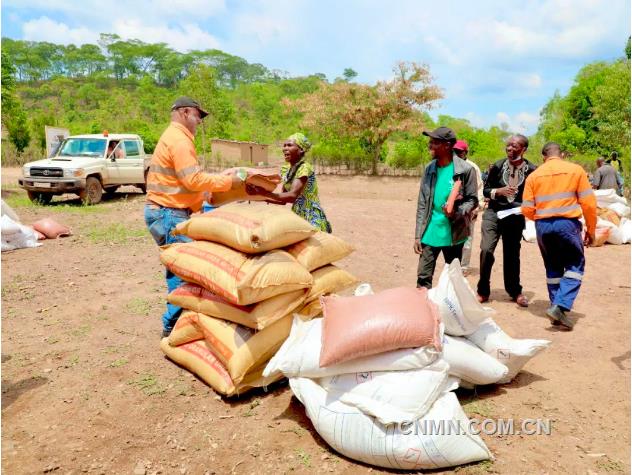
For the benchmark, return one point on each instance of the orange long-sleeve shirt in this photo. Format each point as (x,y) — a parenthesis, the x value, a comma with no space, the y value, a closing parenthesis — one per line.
(558,188)
(175,179)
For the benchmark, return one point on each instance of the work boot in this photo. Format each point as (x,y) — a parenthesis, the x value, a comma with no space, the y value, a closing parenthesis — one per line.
(558,317)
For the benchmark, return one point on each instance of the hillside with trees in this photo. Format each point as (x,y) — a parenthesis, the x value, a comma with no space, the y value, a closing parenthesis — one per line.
(128,85)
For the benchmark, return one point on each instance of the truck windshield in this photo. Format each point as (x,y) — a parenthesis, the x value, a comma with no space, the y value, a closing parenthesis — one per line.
(82,148)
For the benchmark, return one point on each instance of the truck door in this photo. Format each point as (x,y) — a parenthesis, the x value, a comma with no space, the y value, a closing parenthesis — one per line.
(129,163)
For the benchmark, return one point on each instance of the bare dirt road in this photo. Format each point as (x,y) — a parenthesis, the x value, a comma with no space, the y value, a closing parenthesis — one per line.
(85,388)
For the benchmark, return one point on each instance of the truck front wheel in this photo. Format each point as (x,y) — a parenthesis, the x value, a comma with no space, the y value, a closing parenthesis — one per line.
(93,191)
(40,198)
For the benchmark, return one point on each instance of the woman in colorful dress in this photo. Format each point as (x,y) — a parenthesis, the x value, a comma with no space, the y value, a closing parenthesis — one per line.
(298,185)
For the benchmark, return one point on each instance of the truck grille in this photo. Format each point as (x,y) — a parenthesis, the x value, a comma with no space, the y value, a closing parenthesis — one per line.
(47,172)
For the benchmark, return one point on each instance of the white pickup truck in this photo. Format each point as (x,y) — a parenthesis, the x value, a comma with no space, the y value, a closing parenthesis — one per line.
(87,165)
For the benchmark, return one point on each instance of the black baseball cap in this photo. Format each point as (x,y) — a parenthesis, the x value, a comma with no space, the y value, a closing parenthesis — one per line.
(441,133)
(185,101)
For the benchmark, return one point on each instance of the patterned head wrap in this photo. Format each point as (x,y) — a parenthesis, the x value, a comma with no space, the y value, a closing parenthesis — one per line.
(302,141)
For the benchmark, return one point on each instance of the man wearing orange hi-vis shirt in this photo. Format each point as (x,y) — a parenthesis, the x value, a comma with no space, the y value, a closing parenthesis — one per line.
(555,197)
(176,184)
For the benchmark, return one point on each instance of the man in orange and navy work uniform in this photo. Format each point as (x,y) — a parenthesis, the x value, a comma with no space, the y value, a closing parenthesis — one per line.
(176,186)
(555,196)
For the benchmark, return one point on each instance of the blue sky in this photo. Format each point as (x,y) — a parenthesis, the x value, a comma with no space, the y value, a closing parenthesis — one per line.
(497,61)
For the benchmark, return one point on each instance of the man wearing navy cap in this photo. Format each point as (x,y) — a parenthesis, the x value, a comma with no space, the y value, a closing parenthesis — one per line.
(439,229)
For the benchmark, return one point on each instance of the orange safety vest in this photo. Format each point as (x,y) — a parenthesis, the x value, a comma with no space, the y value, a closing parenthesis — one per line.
(175,178)
(558,188)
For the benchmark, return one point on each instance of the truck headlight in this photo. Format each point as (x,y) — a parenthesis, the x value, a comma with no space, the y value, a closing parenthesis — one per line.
(74,172)
(26,172)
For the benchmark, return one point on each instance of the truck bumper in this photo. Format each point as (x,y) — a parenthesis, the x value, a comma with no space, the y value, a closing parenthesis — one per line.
(43,185)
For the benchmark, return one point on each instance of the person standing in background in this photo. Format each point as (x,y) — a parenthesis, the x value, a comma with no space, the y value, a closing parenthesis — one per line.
(555,196)
(605,177)
(461,149)
(503,187)
(440,229)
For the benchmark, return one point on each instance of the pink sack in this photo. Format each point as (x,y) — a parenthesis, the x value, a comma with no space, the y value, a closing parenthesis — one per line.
(353,327)
(51,228)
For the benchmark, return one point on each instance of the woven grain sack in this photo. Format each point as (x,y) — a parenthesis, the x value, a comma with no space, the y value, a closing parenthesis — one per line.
(265,179)
(186,329)
(319,250)
(198,358)
(396,318)
(257,316)
(241,350)
(471,364)
(327,280)
(360,437)
(239,278)
(248,227)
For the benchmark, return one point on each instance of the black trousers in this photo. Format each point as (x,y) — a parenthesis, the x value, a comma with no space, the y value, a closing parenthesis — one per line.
(510,230)
(428,261)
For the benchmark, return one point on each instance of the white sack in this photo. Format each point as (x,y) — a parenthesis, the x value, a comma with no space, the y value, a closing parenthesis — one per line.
(16,235)
(300,355)
(362,438)
(471,364)
(606,197)
(391,396)
(512,352)
(460,310)
(625,227)
(620,208)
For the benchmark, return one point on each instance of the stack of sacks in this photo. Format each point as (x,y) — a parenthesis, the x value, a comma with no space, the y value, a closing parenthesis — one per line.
(242,289)
(609,199)
(371,367)
(478,351)
(316,254)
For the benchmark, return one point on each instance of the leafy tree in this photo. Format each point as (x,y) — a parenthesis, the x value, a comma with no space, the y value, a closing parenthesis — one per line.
(370,114)
(349,74)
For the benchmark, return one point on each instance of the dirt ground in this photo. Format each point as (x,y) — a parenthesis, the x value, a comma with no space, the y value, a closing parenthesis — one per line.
(85,388)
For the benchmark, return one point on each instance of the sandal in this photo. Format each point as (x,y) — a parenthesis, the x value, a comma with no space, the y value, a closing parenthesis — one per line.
(521,300)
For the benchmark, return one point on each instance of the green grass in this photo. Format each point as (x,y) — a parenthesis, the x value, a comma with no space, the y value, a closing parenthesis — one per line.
(115,234)
(304,457)
(250,411)
(477,406)
(486,466)
(118,363)
(139,306)
(608,465)
(22,201)
(148,384)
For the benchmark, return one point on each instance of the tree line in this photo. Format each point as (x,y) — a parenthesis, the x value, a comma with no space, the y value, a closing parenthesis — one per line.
(128,86)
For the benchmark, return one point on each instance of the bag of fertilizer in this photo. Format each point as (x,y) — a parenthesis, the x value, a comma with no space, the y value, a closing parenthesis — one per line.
(512,352)
(300,355)
(442,438)
(391,396)
(471,364)
(459,308)
(248,227)
(319,250)
(239,349)
(240,278)
(258,315)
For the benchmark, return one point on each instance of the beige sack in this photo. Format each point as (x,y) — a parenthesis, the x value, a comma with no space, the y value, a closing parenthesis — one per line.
(241,350)
(238,277)
(319,250)
(248,227)
(327,280)
(198,358)
(265,179)
(257,316)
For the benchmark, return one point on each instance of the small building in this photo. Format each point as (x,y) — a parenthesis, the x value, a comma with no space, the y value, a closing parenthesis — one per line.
(239,153)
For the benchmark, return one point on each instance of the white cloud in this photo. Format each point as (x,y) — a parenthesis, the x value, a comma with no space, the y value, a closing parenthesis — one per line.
(523,122)
(181,37)
(45,29)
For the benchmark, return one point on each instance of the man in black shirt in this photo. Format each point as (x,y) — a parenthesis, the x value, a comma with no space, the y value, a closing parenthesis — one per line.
(504,186)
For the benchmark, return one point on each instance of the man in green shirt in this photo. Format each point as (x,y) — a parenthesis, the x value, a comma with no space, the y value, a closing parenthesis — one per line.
(437,230)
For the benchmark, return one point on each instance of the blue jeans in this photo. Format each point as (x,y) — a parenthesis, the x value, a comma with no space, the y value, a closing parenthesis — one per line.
(562,249)
(160,222)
